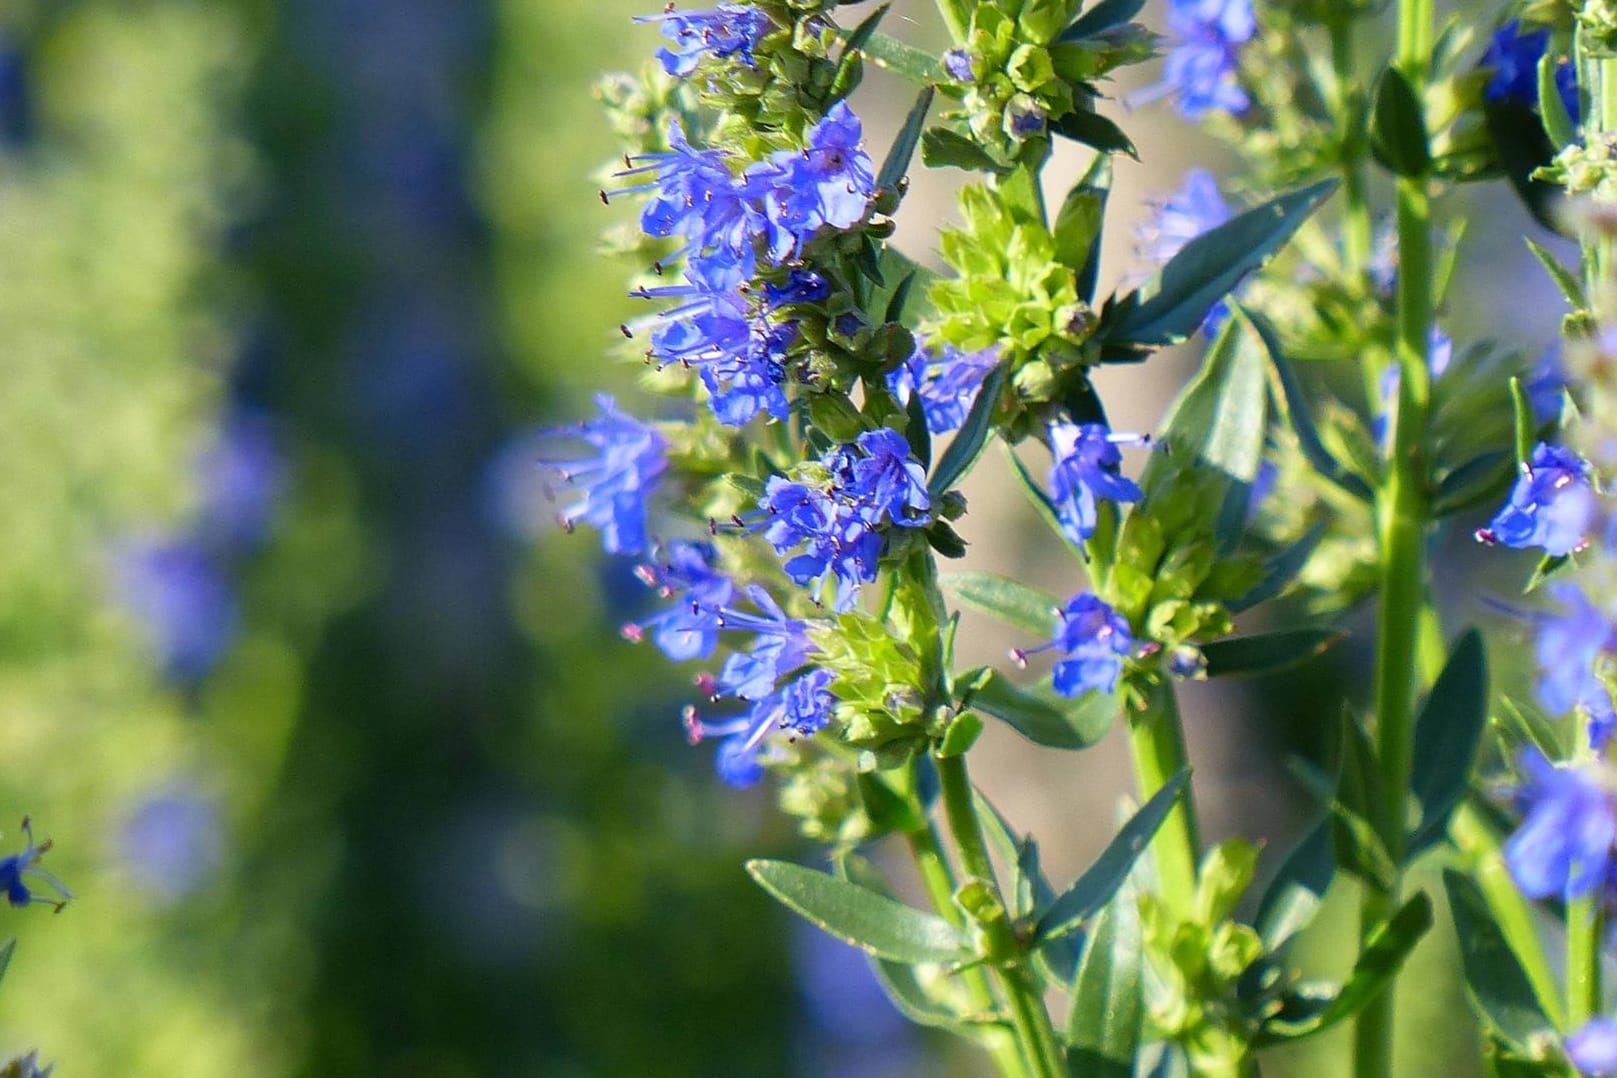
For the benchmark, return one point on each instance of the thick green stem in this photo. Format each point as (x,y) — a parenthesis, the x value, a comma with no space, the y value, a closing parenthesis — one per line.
(1035,1035)
(999,1042)
(1402,517)
(1158,742)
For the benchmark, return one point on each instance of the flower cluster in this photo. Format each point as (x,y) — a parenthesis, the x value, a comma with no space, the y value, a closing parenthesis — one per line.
(1512,58)
(615,479)
(1085,472)
(945,379)
(729,30)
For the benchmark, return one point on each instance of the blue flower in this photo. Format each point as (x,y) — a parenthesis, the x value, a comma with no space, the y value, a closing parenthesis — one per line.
(838,543)
(1084,472)
(26,1067)
(16,870)
(1203,57)
(957,63)
(780,645)
(830,182)
(1571,642)
(727,30)
(886,481)
(172,841)
(946,379)
(1563,847)
(688,629)
(1513,57)
(800,708)
(1095,640)
(1551,506)
(1196,208)
(615,480)
(242,475)
(176,588)
(1593,1048)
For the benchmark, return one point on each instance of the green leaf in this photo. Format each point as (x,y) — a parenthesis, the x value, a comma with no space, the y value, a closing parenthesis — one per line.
(1279,573)
(1447,733)
(909,136)
(7,949)
(1292,899)
(1042,504)
(1096,887)
(1558,123)
(961,735)
(1385,950)
(1549,567)
(1267,653)
(870,921)
(1495,983)
(1103,1024)
(1481,480)
(1067,724)
(862,33)
(1398,126)
(1526,426)
(1078,224)
(1565,280)
(968,443)
(1169,307)
(1102,17)
(1091,129)
(1014,603)
(1534,728)
(1219,418)
(1299,412)
(1029,889)
(907,61)
(943,147)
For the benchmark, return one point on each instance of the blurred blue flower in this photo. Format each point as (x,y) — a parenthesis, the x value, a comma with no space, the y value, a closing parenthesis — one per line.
(855,1031)
(172,841)
(242,475)
(1513,57)
(1084,472)
(1551,506)
(615,480)
(26,1067)
(1563,848)
(1572,639)
(1194,209)
(946,379)
(727,30)
(1593,1048)
(1200,73)
(177,590)
(16,870)
(802,707)
(1095,640)
(689,628)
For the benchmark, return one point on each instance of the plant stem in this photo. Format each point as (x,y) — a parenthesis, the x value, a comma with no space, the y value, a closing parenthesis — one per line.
(1584,929)
(1357,233)
(999,1042)
(1036,1036)
(1157,739)
(1402,515)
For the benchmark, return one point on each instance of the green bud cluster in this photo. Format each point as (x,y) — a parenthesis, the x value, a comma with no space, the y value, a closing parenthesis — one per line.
(1587,168)
(1597,19)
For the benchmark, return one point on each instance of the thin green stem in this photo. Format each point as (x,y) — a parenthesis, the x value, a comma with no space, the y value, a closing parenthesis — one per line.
(1034,1033)
(1157,739)
(1402,517)
(1584,930)
(1357,231)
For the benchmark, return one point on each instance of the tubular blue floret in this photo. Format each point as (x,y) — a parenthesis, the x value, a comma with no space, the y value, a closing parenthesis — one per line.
(1593,1048)
(802,708)
(1552,505)
(1563,847)
(946,379)
(1570,644)
(887,482)
(1095,640)
(1203,60)
(728,30)
(1513,57)
(16,870)
(1195,208)
(630,457)
(1085,471)
(828,183)
(689,629)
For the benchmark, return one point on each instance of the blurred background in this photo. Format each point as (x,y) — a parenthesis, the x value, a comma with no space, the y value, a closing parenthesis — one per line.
(342,755)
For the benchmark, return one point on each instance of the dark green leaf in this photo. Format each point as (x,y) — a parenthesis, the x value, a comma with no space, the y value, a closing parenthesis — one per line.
(904,60)
(942,147)
(1398,126)
(1494,981)
(1103,1025)
(1558,123)
(1548,568)
(909,136)
(1014,603)
(1446,737)
(968,443)
(1170,306)
(916,431)
(1096,887)
(1279,573)
(862,33)
(1101,18)
(1297,890)
(870,921)
(960,736)
(1481,480)
(1300,412)
(1522,148)
(1094,130)
(1267,653)
(1565,280)
(1534,728)
(1218,420)
(1526,426)
(900,298)
(1044,720)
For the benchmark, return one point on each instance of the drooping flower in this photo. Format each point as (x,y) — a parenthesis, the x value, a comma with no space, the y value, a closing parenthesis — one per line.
(802,707)
(177,590)
(630,456)
(1201,70)
(946,379)
(1563,847)
(19,868)
(1513,57)
(1593,1048)
(1084,472)
(830,182)
(1094,640)
(1552,505)
(725,31)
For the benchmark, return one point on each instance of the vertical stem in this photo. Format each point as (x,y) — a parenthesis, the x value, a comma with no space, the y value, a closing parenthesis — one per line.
(1158,742)
(1036,1036)
(1584,929)
(1357,233)
(999,1043)
(1402,515)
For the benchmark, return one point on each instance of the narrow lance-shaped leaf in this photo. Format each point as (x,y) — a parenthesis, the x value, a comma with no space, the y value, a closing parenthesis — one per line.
(1042,504)
(870,921)
(1063,724)
(1571,288)
(909,136)
(1010,601)
(1398,127)
(968,443)
(1281,571)
(1169,307)
(1558,123)
(1495,983)
(1100,18)
(1096,887)
(1292,899)
(1103,1024)
(902,59)
(865,30)
(1090,128)
(1526,426)
(1267,653)
(1446,737)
